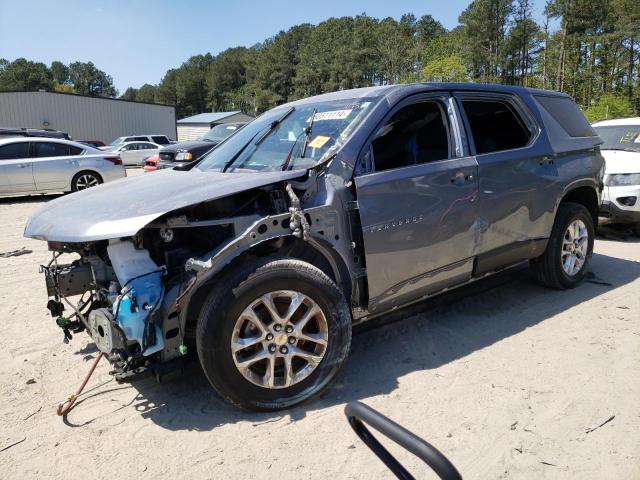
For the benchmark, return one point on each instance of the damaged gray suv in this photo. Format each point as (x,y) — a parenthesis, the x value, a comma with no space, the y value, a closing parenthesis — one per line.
(318,215)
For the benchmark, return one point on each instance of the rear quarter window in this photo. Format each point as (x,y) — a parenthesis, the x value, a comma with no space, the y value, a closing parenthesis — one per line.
(567,114)
(73,150)
(160,140)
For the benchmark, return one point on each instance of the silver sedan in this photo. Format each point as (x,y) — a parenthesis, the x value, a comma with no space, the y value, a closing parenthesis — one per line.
(41,165)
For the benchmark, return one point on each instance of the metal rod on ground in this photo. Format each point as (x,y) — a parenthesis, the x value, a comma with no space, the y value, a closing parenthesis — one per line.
(65,407)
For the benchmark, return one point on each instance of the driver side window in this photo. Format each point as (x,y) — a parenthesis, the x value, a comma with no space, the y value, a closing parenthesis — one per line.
(415,134)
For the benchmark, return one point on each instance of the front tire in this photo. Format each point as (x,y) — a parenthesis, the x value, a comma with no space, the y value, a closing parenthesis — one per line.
(273,334)
(565,262)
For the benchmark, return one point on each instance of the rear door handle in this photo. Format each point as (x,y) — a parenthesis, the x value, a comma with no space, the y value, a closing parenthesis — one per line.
(23,165)
(546,161)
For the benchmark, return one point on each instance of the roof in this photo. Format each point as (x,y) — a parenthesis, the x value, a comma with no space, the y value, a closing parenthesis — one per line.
(392,92)
(4,141)
(94,97)
(209,117)
(618,122)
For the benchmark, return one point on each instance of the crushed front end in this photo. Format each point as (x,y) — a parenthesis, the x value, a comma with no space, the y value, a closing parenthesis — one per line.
(121,291)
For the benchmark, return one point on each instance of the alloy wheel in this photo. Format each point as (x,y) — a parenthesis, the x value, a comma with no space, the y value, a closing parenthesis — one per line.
(279,339)
(86,180)
(575,246)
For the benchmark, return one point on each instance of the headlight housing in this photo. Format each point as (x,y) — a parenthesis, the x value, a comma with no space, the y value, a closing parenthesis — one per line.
(623,179)
(184,156)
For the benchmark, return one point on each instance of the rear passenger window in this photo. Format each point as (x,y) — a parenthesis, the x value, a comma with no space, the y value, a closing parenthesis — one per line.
(14,151)
(44,149)
(567,114)
(495,125)
(415,134)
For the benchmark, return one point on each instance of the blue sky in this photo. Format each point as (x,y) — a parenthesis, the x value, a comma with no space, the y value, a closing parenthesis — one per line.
(136,41)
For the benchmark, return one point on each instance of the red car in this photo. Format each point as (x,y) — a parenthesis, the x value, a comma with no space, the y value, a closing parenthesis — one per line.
(151,163)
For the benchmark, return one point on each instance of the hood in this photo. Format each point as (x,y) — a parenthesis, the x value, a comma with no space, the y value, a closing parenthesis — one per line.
(186,146)
(122,208)
(620,161)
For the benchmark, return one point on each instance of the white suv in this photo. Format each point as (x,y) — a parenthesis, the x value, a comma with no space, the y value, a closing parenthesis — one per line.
(621,150)
(157,139)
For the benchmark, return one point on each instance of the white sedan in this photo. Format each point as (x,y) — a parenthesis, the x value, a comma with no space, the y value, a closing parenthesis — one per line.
(135,153)
(41,165)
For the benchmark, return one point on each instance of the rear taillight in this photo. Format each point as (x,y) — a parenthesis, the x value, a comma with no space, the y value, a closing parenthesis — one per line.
(115,160)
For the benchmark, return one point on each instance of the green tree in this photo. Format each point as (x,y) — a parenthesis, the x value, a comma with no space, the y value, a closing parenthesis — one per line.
(447,69)
(146,93)
(166,91)
(87,79)
(129,94)
(25,75)
(191,86)
(485,24)
(610,106)
(60,73)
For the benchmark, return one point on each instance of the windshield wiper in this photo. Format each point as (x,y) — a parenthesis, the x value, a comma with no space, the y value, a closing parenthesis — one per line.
(307,133)
(622,149)
(235,157)
(274,124)
(287,160)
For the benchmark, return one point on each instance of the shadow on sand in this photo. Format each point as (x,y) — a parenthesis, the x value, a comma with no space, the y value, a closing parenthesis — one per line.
(422,337)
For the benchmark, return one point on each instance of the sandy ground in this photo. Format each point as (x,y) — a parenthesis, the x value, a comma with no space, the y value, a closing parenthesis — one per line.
(506,379)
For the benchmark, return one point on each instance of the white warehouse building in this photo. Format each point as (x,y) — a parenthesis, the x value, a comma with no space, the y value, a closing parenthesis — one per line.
(86,117)
(192,128)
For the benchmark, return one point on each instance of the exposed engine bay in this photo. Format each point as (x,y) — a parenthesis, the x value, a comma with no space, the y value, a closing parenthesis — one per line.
(135,291)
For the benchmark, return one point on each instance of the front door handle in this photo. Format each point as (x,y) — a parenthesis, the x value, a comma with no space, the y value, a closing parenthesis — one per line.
(546,161)
(460,178)
(23,165)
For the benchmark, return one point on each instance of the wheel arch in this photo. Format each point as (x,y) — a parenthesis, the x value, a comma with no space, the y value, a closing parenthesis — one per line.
(584,193)
(316,252)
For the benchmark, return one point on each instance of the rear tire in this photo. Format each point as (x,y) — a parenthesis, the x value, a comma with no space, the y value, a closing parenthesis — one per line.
(565,262)
(237,325)
(85,179)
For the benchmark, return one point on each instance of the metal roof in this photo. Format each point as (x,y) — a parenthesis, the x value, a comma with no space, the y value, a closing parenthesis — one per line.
(209,117)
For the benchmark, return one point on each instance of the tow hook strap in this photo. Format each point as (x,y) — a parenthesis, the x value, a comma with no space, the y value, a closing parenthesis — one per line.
(65,407)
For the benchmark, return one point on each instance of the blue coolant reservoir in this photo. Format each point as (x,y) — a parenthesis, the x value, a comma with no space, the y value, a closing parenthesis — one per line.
(142,293)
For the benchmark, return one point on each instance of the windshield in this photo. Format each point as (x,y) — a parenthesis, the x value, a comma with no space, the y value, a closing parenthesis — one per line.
(117,141)
(264,144)
(219,133)
(622,137)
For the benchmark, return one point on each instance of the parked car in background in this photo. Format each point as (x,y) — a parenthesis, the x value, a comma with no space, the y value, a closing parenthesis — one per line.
(190,151)
(151,163)
(40,165)
(157,139)
(320,214)
(134,153)
(621,150)
(32,132)
(92,143)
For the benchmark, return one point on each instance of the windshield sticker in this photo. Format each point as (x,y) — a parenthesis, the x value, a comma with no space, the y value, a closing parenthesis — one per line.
(331,115)
(319,141)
